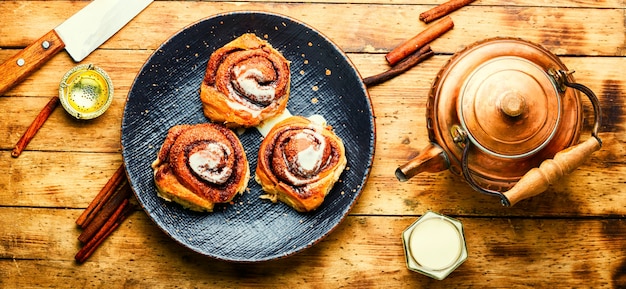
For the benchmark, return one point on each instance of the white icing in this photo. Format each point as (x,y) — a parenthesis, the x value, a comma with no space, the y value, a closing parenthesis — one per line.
(295,180)
(318,119)
(310,158)
(249,82)
(205,163)
(238,103)
(235,105)
(265,126)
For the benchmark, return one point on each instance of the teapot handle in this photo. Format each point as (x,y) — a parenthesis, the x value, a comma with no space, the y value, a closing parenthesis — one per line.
(537,180)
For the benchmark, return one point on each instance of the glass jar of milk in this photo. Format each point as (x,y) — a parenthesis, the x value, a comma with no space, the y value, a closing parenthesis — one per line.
(434,245)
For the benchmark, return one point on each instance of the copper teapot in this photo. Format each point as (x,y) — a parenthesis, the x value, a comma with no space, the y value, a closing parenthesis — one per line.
(505,115)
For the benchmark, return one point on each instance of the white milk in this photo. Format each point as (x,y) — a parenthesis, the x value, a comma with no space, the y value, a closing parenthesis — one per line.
(435,244)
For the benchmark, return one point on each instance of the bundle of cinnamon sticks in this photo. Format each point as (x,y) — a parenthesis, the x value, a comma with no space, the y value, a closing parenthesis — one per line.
(417,49)
(104,214)
(411,52)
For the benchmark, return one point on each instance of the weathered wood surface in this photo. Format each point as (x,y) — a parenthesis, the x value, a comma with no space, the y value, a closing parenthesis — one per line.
(573,235)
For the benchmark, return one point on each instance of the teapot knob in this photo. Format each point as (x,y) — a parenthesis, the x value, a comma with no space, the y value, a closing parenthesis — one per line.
(512,104)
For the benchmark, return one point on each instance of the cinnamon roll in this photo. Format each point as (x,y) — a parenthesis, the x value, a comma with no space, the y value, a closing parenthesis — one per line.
(200,165)
(299,162)
(246,81)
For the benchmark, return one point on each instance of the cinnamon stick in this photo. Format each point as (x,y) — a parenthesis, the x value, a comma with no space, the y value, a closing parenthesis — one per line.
(116,219)
(120,196)
(429,34)
(103,196)
(422,54)
(443,10)
(35,126)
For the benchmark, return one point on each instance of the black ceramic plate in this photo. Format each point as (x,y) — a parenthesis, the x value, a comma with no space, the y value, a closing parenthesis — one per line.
(166,93)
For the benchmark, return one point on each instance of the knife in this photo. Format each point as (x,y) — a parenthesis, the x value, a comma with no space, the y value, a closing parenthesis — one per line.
(79,35)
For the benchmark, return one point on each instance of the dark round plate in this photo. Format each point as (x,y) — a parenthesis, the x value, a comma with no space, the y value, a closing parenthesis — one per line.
(166,93)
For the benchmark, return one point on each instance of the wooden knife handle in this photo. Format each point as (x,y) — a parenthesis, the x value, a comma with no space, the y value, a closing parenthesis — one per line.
(538,179)
(27,61)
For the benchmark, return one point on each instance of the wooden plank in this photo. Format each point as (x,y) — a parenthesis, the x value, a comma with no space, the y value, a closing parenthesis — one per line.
(583,31)
(363,252)
(61,131)
(41,179)
(54,179)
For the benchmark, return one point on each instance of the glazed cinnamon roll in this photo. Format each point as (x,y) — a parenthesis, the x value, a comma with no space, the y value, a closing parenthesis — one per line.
(200,165)
(246,81)
(299,162)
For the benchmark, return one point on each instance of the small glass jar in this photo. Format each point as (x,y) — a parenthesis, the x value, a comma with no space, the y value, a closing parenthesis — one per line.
(434,245)
(86,91)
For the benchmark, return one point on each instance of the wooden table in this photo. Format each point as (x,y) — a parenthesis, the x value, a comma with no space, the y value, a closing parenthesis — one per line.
(573,235)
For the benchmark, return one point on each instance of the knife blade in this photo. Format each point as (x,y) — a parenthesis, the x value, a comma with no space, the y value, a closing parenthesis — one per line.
(79,35)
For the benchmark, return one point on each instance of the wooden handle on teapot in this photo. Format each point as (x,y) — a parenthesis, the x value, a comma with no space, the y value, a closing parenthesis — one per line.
(538,179)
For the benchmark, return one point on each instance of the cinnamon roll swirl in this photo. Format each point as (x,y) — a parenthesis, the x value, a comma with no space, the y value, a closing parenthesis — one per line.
(246,81)
(200,165)
(299,162)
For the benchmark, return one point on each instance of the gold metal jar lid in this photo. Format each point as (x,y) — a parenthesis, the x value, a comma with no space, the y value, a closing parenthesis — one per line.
(86,91)
(434,245)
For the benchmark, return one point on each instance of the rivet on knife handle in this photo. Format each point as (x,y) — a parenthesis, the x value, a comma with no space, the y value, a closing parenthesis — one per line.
(27,61)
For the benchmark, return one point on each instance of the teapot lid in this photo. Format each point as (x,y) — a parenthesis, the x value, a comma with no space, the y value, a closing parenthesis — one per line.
(509,106)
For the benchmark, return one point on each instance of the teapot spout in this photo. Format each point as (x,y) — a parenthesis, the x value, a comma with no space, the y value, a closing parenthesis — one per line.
(432,159)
